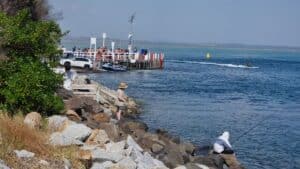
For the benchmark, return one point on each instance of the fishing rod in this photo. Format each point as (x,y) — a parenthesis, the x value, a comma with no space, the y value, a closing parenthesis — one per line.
(250,129)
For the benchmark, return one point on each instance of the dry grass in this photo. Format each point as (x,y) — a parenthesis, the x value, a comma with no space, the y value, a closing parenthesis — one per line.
(14,135)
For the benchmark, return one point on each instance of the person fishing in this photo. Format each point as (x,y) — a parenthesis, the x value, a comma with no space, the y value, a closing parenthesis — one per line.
(69,76)
(223,148)
(122,99)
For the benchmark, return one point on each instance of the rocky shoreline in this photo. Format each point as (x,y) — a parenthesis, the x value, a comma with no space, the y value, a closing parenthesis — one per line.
(170,150)
(89,123)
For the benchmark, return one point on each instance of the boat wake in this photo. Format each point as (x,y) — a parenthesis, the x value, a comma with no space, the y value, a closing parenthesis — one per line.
(216,64)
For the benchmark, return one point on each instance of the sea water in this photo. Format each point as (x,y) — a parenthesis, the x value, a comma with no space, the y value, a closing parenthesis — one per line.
(198,99)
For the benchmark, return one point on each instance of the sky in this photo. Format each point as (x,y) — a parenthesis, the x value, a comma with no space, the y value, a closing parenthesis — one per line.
(255,22)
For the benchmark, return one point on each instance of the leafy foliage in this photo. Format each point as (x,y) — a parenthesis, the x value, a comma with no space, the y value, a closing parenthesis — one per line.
(39,9)
(23,37)
(27,84)
(32,87)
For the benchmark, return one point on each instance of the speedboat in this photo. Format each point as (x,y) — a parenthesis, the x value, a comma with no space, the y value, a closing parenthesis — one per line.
(248,64)
(114,67)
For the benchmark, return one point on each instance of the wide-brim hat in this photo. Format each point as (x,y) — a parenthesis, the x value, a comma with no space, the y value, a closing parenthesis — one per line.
(123,85)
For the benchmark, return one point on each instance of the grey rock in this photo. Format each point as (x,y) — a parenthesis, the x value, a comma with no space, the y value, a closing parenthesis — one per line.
(3,165)
(24,154)
(135,154)
(115,147)
(104,165)
(72,134)
(180,167)
(98,136)
(156,148)
(112,131)
(130,126)
(133,144)
(172,159)
(148,162)
(196,166)
(102,155)
(77,131)
(159,164)
(128,151)
(188,147)
(59,139)
(88,104)
(56,122)
(213,160)
(127,163)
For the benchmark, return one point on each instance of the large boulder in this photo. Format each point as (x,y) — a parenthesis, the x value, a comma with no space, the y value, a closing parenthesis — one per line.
(166,137)
(112,130)
(213,160)
(72,134)
(130,126)
(127,163)
(86,103)
(147,161)
(173,158)
(104,165)
(57,123)
(188,147)
(24,154)
(99,154)
(33,120)
(64,93)
(157,148)
(92,106)
(117,147)
(59,139)
(77,131)
(99,137)
(101,118)
(131,143)
(148,140)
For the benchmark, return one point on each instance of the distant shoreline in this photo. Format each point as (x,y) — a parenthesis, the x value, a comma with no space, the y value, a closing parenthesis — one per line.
(197,45)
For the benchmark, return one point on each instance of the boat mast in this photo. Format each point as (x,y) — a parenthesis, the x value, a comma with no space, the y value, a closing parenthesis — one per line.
(130,35)
(103,39)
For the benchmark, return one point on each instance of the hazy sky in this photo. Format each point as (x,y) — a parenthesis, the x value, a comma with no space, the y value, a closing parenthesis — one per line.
(258,22)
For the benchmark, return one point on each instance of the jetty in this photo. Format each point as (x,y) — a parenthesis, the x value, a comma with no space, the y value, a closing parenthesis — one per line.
(129,57)
(142,59)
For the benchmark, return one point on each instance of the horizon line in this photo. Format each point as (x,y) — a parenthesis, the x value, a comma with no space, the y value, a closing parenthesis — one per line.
(209,44)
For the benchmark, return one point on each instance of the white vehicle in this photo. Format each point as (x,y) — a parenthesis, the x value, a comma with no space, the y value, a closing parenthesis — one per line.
(77,62)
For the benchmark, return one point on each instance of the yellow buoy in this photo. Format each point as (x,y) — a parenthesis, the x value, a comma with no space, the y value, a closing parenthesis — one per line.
(208,56)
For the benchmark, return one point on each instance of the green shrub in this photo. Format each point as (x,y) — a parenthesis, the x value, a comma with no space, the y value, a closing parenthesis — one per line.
(26,84)
(31,88)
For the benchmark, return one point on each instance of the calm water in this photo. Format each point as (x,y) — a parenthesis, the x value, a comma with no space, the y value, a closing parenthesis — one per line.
(199,99)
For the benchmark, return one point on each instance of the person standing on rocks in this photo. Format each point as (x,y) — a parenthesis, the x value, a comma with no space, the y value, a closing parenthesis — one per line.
(122,99)
(223,148)
(69,76)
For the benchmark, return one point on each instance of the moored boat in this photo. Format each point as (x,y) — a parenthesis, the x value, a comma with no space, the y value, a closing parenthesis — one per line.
(114,67)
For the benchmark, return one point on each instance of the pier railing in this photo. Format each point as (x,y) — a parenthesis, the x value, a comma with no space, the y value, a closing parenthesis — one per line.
(150,60)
